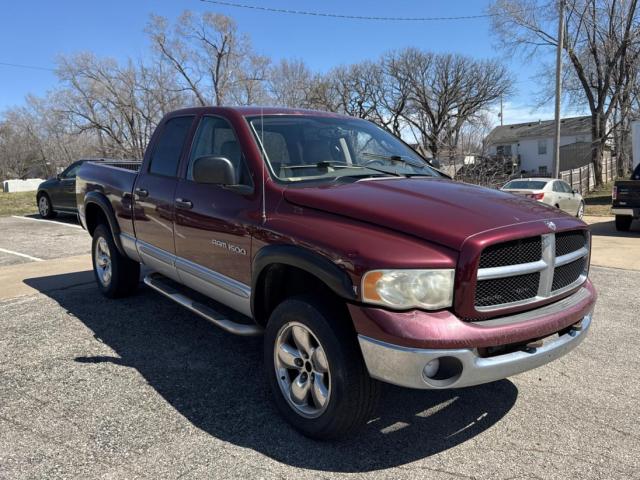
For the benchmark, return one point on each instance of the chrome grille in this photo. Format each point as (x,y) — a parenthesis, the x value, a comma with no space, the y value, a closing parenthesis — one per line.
(567,274)
(511,253)
(531,269)
(507,290)
(567,242)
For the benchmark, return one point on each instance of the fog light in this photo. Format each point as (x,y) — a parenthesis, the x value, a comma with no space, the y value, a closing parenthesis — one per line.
(431,369)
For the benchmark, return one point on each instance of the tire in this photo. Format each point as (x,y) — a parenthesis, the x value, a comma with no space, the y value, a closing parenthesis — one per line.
(580,212)
(623,222)
(115,274)
(45,207)
(350,394)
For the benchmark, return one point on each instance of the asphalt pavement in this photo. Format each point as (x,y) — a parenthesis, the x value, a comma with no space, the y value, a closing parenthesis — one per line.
(141,388)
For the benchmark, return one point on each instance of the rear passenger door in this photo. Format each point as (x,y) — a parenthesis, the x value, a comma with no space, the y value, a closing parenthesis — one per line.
(154,195)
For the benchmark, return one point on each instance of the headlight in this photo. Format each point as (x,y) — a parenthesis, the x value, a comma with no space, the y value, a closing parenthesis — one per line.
(401,289)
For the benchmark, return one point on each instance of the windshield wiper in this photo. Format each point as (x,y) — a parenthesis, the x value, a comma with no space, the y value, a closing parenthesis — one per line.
(341,165)
(392,158)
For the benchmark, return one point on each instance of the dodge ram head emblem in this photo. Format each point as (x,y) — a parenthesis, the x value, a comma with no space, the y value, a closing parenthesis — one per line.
(551,225)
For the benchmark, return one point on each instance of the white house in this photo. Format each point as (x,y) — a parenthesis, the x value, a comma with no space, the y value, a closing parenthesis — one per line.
(532,143)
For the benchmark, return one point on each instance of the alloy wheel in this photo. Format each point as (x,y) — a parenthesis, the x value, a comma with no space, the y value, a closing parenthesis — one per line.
(302,370)
(43,206)
(103,261)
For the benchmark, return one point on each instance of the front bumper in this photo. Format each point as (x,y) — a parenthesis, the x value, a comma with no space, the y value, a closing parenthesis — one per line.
(397,347)
(404,366)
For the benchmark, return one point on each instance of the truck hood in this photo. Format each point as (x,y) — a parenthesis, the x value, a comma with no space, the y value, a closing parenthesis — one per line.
(437,210)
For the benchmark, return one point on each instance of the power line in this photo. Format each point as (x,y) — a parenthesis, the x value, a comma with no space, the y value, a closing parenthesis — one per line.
(348,17)
(32,67)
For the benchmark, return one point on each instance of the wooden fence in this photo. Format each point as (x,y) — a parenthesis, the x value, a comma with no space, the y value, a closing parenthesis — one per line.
(583,180)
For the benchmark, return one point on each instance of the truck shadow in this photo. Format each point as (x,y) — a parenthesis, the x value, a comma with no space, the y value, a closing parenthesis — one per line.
(608,229)
(215,381)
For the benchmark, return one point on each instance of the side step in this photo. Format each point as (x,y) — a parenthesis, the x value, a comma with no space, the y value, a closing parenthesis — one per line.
(160,284)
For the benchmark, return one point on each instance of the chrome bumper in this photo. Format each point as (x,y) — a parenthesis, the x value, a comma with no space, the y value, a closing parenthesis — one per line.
(404,366)
(624,211)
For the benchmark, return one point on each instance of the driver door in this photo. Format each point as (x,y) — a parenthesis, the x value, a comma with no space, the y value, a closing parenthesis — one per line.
(213,223)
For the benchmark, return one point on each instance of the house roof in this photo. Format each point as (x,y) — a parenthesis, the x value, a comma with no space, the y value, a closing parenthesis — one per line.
(541,129)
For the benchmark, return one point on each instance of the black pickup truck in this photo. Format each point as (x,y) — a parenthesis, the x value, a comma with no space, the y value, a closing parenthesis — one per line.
(626,200)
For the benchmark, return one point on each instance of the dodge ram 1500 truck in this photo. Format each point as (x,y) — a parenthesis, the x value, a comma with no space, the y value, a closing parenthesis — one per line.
(355,259)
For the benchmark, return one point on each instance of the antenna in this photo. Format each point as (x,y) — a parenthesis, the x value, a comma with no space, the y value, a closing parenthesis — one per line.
(264,166)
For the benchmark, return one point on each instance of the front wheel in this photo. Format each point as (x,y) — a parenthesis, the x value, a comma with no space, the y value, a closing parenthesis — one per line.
(315,369)
(580,213)
(45,209)
(116,275)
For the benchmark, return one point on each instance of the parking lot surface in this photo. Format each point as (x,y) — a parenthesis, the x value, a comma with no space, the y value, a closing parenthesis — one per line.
(141,388)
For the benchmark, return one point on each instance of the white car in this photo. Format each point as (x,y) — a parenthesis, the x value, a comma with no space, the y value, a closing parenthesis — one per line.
(556,193)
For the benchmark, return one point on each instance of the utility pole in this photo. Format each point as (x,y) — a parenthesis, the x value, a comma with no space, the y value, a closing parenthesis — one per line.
(556,150)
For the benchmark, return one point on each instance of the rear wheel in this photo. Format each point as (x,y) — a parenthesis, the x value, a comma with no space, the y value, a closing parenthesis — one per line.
(623,222)
(45,208)
(315,369)
(116,275)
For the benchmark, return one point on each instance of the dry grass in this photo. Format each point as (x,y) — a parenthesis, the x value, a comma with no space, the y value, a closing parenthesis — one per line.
(598,202)
(18,203)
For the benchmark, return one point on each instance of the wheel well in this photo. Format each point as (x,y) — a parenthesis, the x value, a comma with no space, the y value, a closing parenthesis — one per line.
(94,216)
(279,281)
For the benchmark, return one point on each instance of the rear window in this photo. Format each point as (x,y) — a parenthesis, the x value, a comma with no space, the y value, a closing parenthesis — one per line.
(166,154)
(525,185)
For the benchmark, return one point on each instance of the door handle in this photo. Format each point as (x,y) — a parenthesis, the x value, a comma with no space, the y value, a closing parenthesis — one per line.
(183,204)
(141,192)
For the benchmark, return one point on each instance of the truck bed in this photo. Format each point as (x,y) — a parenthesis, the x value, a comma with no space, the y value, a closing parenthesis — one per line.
(115,179)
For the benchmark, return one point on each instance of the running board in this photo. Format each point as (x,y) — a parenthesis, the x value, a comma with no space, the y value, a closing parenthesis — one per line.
(158,283)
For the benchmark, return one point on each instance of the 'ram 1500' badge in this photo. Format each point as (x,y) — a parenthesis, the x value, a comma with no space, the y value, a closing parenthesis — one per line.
(551,225)
(228,246)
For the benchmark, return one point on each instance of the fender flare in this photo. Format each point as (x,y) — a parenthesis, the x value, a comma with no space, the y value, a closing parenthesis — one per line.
(321,267)
(101,201)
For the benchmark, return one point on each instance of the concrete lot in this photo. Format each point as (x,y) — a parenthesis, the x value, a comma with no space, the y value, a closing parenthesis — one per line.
(141,388)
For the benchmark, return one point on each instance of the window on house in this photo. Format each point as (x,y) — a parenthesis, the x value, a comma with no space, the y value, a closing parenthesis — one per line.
(542,169)
(542,146)
(504,150)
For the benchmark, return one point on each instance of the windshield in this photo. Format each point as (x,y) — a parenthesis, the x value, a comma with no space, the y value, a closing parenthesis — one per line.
(302,148)
(525,185)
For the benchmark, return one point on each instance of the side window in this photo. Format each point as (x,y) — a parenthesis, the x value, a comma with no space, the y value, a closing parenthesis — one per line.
(216,137)
(557,187)
(566,187)
(72,171)
(166,154)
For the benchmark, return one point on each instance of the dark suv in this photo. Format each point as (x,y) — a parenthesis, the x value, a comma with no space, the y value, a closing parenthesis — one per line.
(58,194)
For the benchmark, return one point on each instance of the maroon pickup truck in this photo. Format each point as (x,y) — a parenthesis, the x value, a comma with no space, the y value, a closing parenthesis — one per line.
(354,257)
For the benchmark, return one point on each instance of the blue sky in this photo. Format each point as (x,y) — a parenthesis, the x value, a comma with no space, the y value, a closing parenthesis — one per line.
(35,32)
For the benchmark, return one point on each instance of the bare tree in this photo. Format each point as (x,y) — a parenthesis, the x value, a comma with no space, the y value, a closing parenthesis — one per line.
(600,37)
(443,92)
(212,61)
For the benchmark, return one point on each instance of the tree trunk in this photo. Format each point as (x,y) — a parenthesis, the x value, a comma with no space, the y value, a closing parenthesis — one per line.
(597,147)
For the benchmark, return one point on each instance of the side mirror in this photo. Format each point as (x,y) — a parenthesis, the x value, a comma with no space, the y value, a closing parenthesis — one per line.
(435,163)
(214,170)
(574,191)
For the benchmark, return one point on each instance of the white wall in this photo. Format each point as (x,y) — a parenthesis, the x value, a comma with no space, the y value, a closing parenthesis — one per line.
(28,185)
(527,148)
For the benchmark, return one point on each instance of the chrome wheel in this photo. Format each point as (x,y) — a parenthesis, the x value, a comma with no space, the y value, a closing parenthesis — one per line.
(102,259)
(580,210)
(43,206)
(302,370)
